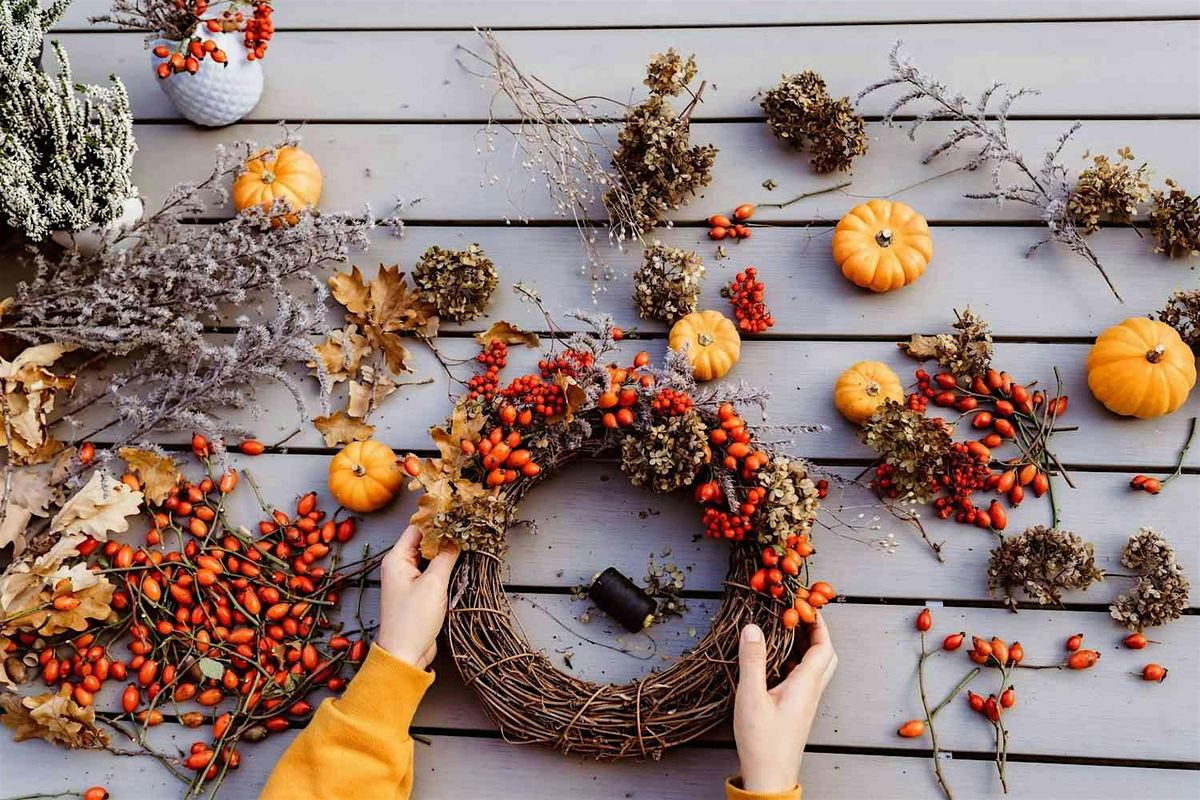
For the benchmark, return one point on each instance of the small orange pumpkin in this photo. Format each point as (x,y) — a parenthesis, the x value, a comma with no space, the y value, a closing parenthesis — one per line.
(365,476)
(863,388)
(881,245)
(712,342)
(1141,368)
(292,175)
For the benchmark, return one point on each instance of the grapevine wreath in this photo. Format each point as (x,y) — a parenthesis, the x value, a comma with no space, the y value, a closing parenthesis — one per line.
(669,435)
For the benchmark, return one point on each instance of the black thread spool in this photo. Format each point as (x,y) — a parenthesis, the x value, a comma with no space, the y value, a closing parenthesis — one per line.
(622,600)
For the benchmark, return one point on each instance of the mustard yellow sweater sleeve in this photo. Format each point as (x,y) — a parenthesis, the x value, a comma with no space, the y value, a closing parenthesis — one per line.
(734,791)
(357,746)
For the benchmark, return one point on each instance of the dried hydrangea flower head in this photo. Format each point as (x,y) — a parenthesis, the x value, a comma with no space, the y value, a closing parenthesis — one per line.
(459,283)
(1182,312)
(965,354)
(914,445)
(666,286)
(68,148)
(1043,562)
(1108,189)
(1161,593)
(668,456)
(668,73)
(791,502)
(655,166)
(1175,221)
(801,111)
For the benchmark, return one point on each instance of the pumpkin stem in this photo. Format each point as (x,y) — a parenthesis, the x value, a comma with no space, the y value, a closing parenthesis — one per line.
(884,237)
(1155,355)
(705,339)
(268,176)
(359,470)
(873,389)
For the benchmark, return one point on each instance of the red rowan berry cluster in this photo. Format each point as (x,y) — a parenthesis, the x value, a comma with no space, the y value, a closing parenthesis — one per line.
(569,363)
(746,295)
(485,384)
(671,403)
(258,31)
(720,524)
(543,398)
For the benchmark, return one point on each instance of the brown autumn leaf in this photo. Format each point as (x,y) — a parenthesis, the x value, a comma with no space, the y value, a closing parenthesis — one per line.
(573,393)
(509,334)
(158,472)
(351,291)
(394,307)
(366,394)
(94,603)
(338,429)
(462,426)
(54,717)
(101,507)
(395,354)
(342,353)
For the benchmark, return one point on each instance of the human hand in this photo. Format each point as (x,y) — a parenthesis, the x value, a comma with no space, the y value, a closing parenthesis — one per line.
(771,727)
(413,603)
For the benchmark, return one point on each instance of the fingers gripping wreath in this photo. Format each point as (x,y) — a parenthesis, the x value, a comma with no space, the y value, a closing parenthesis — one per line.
(669,435)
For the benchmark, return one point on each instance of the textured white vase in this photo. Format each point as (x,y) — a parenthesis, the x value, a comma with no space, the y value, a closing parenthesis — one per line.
(219,94)
(88,242)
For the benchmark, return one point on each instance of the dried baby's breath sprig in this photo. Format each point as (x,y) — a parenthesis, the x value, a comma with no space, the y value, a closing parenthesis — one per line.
(1047,188)
(1161,593)
(1043,562)
(1108,189)
(668,73)
(913,446)
(791,503)
(459,283)
(1175,221)
(66,149)
(668,455)
(801,111)
(1182,312)
(656,166)
(965,354)
(667,284)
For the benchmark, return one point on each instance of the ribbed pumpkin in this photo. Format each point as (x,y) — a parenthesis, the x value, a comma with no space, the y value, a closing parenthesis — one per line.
(364,476)
(712,341)
(1141,368)
(881,245)
(863,388)
(292,175)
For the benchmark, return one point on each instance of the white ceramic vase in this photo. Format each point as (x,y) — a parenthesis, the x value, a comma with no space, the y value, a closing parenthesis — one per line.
(218,94)
(88,241)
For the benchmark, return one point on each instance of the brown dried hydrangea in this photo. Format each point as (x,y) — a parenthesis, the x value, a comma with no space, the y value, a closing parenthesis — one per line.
(1182,312)
(791,503)
(667,456)
(914,445)
(801,111)
(1161,593)
(667,285)
(668,73)
(965,354)
(459,283)
(1108,189)
(1175,221)
(1043,562)
(655,165)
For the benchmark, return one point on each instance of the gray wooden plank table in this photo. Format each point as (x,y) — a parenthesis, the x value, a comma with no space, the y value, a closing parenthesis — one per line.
(389,113)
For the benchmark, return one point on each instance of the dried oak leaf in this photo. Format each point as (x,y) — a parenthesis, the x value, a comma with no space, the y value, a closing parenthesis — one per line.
(465,423)
(30,493)
(509,334)
(338,429)
(341,353)
(95,602)
(54,717)
(574,394)
(29,390)
(98,509)
(158,472)
(365,395)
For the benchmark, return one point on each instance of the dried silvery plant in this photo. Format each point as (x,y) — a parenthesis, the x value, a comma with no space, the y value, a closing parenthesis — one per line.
(66,149)
(1047,187)
(800,111)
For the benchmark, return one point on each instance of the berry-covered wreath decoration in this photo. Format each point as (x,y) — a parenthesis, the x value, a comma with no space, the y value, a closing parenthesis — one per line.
(669,435)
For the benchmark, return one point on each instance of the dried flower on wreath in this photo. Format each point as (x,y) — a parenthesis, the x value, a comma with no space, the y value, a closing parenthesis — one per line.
(1161,591)
(801,112)
(66,149)
(1108,189)
(668,455)
(792,498)
(1046,188)
(1175,221)
(1043,562)
(664,582)
(655,165)
(457,283)
(666,286)
(913,445)
(54,717)
(965,354)
(1182,312)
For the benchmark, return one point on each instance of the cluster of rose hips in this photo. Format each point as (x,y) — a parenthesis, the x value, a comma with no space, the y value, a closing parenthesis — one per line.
(671,403)
(494,357)
(745,293)
(1146,484)
(618,401)
(500,454)
(721,227)
(188,57)
(258,31)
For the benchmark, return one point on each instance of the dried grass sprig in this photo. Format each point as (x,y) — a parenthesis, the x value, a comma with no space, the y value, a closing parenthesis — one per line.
(981,124)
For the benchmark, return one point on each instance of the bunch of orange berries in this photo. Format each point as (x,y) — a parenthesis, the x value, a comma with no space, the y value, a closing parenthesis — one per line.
(722,227)
(500,453)
(746,293)
(622,395)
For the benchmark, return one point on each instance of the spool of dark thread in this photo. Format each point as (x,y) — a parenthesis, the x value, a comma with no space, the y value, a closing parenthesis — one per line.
(623,600)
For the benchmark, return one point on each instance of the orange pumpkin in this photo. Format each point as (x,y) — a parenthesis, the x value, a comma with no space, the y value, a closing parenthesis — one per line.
(365,476)
(292,175)
(881,245)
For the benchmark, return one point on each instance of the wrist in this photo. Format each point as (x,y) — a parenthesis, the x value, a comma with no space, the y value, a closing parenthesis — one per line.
(767,780)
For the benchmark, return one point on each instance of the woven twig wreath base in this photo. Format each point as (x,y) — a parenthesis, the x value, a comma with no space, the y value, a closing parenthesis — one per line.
(533,702)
